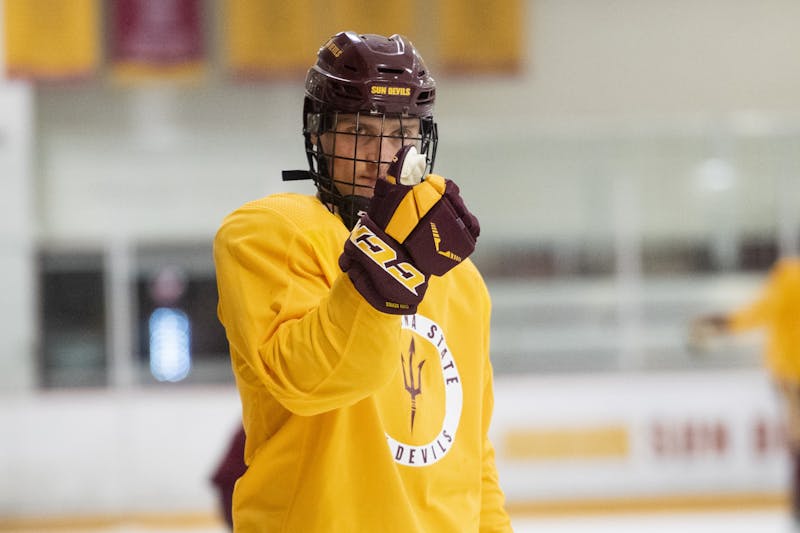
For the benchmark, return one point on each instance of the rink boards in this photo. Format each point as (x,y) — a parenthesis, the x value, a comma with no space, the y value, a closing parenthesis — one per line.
(640,439)
(563,443)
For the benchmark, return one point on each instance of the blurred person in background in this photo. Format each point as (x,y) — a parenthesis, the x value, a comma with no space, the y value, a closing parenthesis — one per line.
(228,470)
(358,327)
(777,309)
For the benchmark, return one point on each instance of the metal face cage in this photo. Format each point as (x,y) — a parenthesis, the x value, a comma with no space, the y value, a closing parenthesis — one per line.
(349,152)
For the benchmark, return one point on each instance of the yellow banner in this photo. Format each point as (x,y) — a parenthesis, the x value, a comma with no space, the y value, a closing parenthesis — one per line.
(270,38)
(266,39)
(51,39)
(605,442)
(365,16)
(481,36)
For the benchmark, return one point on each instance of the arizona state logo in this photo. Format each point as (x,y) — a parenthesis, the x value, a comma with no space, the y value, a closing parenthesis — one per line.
(443,440)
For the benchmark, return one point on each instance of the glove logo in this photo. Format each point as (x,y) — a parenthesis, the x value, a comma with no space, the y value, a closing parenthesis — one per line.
(437,242)
(442,440)
(385,257)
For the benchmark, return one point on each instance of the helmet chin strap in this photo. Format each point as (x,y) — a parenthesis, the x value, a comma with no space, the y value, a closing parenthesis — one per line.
(349,207)
(355,206)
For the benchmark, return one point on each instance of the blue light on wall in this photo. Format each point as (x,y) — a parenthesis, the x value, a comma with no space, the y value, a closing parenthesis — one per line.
(170,342)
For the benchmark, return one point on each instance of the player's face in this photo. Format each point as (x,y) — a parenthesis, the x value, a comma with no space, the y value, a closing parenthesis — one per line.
(360,148)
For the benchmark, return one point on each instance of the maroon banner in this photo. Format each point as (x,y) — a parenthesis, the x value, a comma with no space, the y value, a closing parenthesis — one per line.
(157,38)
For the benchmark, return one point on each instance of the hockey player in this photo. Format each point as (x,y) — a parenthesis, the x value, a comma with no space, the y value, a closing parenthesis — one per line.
(777,309)
(358,327)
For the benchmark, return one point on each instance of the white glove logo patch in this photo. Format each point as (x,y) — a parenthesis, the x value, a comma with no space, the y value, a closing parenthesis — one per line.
(385,257)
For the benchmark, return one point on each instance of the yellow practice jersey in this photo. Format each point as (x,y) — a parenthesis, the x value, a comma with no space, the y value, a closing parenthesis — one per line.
(778,310)
(356,420)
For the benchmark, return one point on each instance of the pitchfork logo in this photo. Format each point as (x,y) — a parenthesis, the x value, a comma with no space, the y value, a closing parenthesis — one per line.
(444,439)
(412,383)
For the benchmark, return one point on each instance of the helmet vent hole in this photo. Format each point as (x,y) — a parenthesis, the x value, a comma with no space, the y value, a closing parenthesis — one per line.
(346,91)
(388,70)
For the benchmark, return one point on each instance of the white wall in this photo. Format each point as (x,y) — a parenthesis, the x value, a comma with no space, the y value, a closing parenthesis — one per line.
(16,238)
(100,453)
(160,163)
(635,60)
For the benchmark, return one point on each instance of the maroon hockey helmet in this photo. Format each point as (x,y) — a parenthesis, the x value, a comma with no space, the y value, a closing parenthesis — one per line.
(364,75)
(370,73)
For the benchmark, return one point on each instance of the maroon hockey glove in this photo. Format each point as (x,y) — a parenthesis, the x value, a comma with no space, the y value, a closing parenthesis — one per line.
(381,270)
(429,219)
(412,230)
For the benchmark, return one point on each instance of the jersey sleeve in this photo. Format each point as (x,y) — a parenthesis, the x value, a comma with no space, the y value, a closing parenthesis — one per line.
(494,518)
(750,316)
(295,324)
(757,313)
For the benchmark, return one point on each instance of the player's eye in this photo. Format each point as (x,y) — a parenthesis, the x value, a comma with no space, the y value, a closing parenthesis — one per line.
(354,130)
(404,133)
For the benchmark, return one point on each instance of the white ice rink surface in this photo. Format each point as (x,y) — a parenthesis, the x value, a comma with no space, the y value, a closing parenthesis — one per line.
(769,521)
